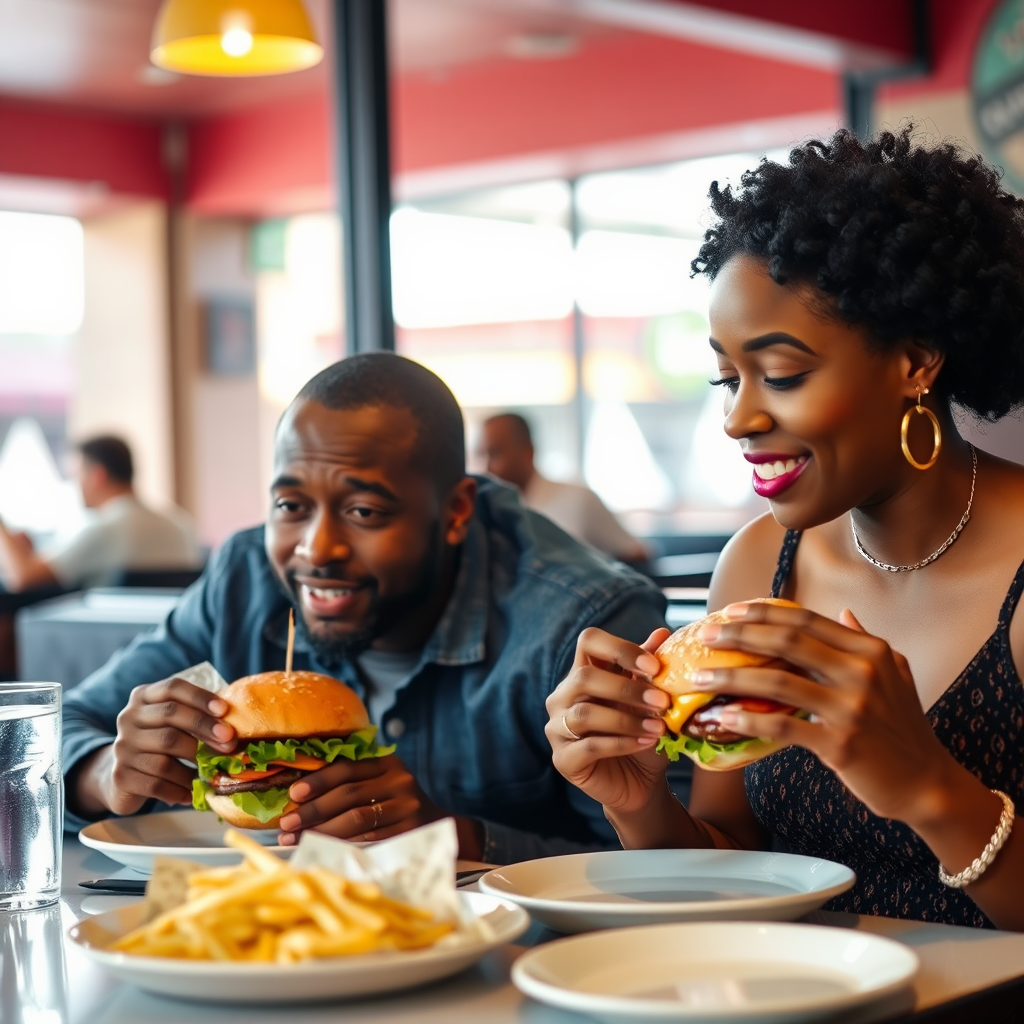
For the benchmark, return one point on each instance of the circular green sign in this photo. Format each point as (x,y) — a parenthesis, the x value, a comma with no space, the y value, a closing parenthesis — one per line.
(997,86)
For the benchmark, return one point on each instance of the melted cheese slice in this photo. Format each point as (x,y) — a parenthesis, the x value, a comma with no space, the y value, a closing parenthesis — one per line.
(684,705)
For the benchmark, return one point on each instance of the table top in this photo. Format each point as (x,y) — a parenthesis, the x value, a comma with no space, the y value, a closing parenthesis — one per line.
(103,605)
(43,977)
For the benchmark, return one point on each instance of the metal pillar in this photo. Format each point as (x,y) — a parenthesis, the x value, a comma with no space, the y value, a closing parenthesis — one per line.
(859,86)
(364,172)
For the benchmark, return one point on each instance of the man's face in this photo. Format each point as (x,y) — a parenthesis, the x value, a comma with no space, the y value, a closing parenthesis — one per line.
(508,456)
(91,480)
(355,531)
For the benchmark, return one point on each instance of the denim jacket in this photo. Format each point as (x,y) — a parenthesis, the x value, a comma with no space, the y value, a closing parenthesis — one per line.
(469,724)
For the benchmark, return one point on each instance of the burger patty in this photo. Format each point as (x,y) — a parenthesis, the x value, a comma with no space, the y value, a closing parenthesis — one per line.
(223,786)
(705,723)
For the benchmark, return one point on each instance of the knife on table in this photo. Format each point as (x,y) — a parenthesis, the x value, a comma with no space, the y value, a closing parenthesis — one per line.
(137,886)
(123,886)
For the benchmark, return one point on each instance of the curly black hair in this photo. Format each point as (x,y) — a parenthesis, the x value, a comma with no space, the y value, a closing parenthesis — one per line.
(903,241)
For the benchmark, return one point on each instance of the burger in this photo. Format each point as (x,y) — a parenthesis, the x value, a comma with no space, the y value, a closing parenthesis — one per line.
(291,724)
(694,720)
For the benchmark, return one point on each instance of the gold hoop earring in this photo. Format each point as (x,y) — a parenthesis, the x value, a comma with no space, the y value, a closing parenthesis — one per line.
(936,432)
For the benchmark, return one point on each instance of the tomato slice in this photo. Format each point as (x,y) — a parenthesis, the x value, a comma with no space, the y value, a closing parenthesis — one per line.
(760,705)
(304,762)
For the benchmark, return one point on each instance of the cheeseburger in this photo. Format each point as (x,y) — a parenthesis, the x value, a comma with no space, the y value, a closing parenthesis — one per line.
(694,719)
(288,724)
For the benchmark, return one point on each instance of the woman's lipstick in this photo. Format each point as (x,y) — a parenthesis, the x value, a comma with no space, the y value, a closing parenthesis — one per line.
(775,472)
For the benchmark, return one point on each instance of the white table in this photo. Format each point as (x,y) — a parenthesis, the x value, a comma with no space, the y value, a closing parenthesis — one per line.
(45,980)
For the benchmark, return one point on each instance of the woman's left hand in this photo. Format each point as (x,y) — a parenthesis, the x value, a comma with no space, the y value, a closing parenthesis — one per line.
(867,725)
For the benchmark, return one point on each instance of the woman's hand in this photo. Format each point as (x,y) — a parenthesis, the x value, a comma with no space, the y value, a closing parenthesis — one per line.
(867,725)
(607,701)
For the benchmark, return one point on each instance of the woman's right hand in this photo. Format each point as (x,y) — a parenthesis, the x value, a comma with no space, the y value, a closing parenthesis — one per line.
(608,701)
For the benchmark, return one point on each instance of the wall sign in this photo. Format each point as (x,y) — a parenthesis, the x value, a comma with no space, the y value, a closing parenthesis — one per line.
(997,87)
(230,335)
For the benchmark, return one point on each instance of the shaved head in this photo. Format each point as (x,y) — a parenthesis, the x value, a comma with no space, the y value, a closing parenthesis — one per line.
(392,381)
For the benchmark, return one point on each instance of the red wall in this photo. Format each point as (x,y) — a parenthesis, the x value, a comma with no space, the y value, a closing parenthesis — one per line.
(38,140)
(618,88)
(275,159)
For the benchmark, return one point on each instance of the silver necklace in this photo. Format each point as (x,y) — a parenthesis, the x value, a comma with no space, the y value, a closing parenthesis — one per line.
(949,540)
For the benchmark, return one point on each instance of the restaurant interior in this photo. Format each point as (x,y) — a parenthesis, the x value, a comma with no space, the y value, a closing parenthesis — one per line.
(508,192)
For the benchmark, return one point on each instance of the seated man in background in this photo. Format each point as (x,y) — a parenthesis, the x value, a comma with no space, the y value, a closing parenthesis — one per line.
(508,447)
(124,534)
(451,610)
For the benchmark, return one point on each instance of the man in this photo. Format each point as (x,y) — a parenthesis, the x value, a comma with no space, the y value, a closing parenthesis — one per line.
(124,534)
(451,610)
(508,447)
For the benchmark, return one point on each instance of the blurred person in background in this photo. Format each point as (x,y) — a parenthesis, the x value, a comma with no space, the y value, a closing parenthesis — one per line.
(508,448)
(123,534)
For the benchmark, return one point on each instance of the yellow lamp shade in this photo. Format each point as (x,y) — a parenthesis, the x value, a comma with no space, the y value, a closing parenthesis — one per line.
(243,37)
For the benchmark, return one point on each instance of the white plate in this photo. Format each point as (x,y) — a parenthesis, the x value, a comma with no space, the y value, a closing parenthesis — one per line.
(329,978)
(619,888)
(716,972)
(193,835)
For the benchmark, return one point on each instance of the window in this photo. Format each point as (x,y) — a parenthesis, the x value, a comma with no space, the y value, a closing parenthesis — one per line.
(42,288)
(572,303)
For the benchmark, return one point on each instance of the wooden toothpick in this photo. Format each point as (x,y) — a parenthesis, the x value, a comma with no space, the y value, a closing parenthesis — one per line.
(291,640)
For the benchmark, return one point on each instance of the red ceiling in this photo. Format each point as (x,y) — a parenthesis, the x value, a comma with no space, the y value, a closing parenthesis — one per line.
(620,86)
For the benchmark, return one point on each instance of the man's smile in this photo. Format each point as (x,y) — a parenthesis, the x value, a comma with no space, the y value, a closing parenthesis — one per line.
(329,599)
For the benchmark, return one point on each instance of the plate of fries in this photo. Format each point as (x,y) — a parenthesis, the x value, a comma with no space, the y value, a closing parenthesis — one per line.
(266,931)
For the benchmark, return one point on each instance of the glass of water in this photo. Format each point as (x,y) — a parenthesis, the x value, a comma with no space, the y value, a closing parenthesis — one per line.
(31,795)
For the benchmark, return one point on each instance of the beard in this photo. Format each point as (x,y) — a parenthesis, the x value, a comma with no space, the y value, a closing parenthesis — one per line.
(332,648)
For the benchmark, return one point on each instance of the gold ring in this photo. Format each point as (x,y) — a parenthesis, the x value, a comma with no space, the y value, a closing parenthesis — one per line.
(376,812)
(568,729)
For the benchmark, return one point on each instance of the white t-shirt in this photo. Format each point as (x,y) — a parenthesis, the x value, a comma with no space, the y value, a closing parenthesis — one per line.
(124,534)
(581,513)
(385,673)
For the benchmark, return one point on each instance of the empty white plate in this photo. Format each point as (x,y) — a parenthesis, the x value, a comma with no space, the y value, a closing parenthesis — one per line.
(327,978)
(726,973)
(193,835)
(619,888)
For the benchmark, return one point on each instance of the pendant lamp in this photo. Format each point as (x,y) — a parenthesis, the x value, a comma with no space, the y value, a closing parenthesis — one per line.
(234,37)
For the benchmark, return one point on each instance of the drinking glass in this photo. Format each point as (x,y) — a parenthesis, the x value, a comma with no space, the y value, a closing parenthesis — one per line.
(31,795)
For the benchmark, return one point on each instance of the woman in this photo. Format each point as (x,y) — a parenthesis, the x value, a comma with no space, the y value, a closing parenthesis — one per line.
(859,289)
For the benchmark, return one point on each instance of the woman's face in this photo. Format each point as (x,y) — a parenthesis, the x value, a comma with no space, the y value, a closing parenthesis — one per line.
(815,408)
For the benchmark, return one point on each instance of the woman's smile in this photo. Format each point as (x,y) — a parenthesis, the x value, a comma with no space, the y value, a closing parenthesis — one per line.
(774,472)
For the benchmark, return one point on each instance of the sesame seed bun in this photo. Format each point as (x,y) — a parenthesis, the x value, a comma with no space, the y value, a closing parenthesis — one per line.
(283,705)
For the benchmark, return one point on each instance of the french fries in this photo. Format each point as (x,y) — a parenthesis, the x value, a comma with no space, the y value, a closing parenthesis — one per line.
(265,910)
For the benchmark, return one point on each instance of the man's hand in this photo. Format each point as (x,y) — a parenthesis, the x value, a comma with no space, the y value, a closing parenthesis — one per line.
(161,723)
(366,800)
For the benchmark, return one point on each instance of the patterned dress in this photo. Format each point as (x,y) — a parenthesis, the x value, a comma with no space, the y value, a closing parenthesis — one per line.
(979,719)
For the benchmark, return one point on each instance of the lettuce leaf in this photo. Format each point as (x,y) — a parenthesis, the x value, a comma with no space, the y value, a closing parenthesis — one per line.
(672,746)
(199,791)
(356,747)
(262,806)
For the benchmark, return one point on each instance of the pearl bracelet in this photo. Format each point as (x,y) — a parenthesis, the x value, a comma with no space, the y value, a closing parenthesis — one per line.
(977,867)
